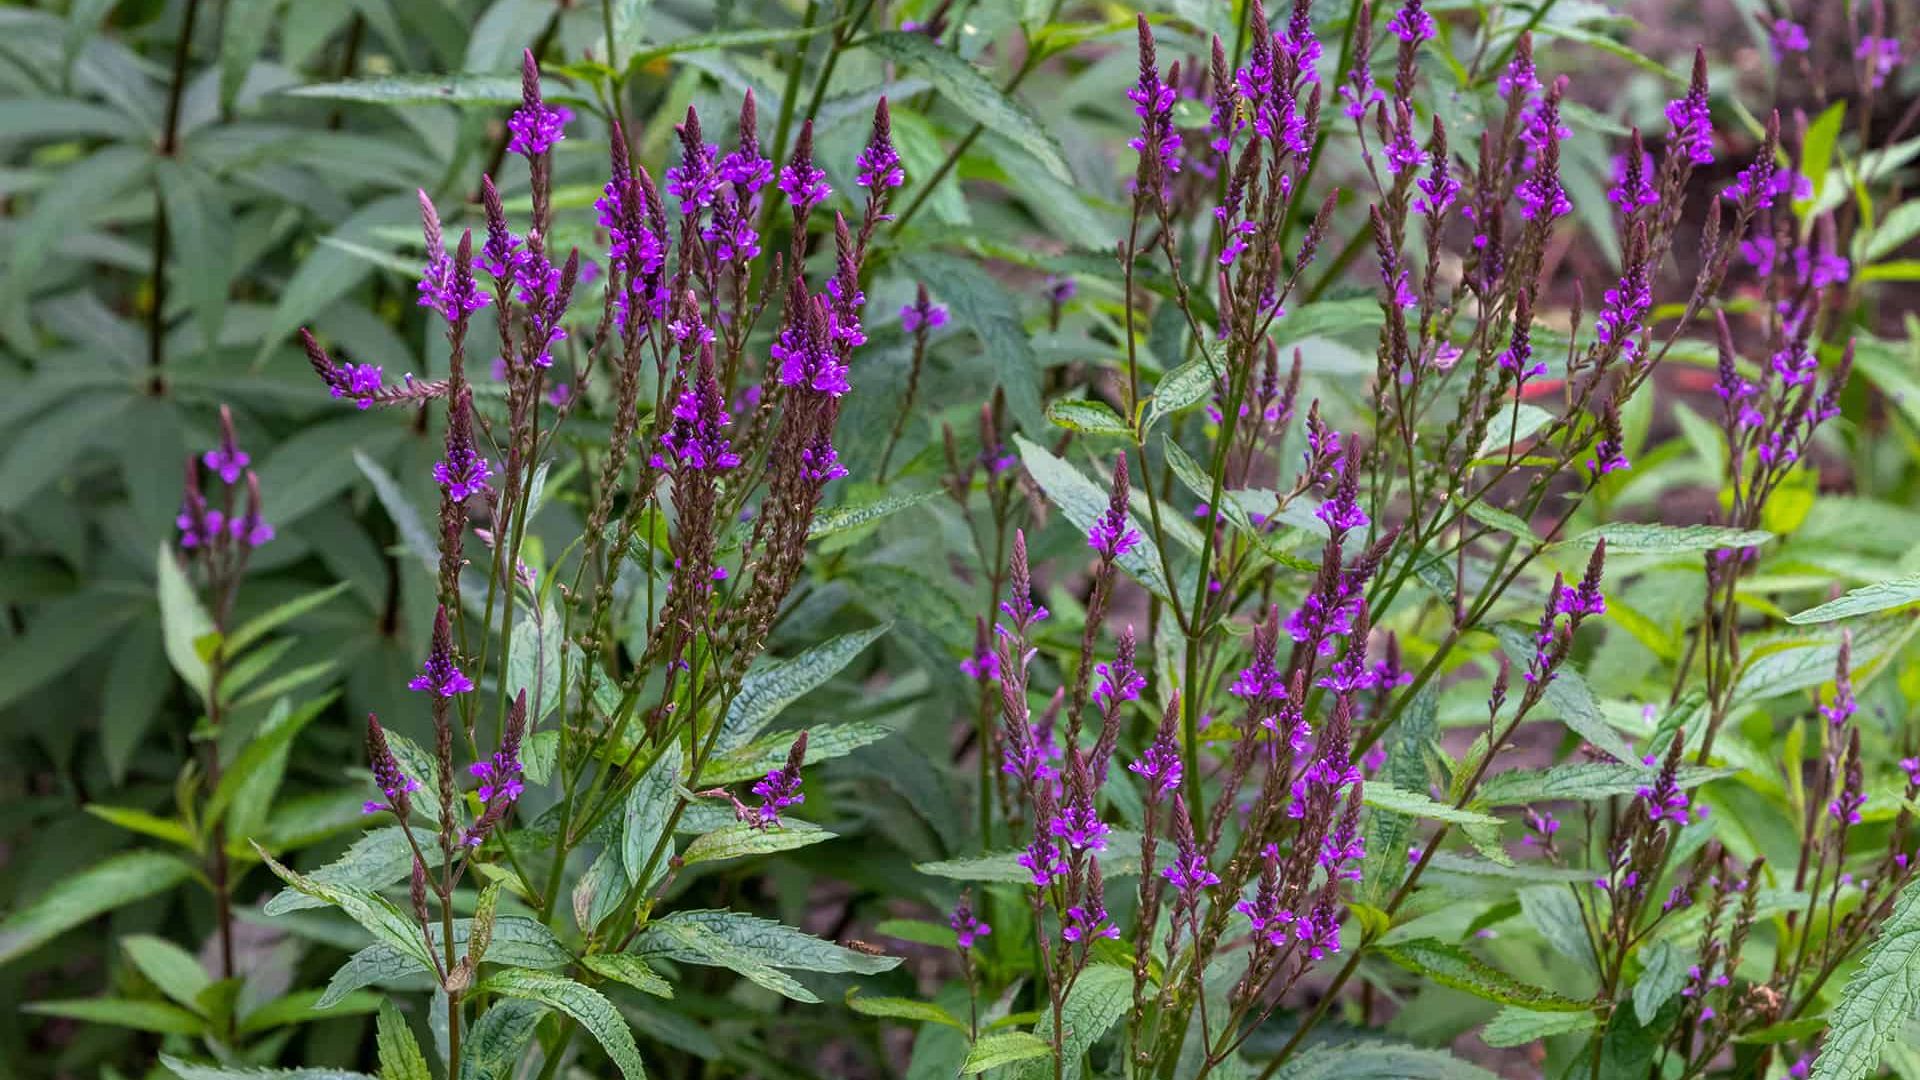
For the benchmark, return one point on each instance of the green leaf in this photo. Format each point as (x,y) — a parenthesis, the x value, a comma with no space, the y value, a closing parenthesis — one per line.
(1384,796)
(1509,428)
(267,621)
(1088,418)
(400,1056)
(1816,153)
(693,944)
(533,665)
(476,91)
(1388,834)
(982,304)
(1892,232)
(962,85)
(493,1047)
(1377,1061)
(1505,520)
(1553,911)
(137,680)
(1450,965)
(304,1005)
(727,39)
(593,1012)
(648,807)
(375,913)
(518,941)
(185,625)
(1003,1048)
(406,520)
(1624,537)
(628,970)
(1101,995)
(172,830)
(1880,997)
(1582,781)
(824,743)
(768,690)
(377,859)
(840,519)
(1663,972)
(243,34)
(187,1070)
(250,781)
(168,967)
(1865,600)
(78,898)
(1083,502)
(155,1016)
(740,839)
(1185,386)
(1515,1026)
(895,1008)
(778,944)
(938,935)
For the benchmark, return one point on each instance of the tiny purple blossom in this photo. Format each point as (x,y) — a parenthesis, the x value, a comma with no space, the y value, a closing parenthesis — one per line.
(1412,25)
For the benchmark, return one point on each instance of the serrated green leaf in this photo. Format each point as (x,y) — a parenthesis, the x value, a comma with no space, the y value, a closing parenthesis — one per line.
(377,859)
(1377,1061)
(1555,914)
(1088,418)
(824,743)
(1517,1026)
(187,1070)
(375,913)
(1450,965)
(728,39)
(1185,386)
(1101,995)
(1879,999)
(1583,781)
(740,839)
(493,1047)
(648,807)
(1626,537)
(533,663)
(840,519)
(1385,796)
(768,690)
(1663,972)
(628,970)
(78,898)
(778,944)
(962,85)
(172,969)
(1572,699)
(304,1005)
(1865,600)
(592,1011)
(894,1008)
(518,941)
(400,1056)
(1003,1048)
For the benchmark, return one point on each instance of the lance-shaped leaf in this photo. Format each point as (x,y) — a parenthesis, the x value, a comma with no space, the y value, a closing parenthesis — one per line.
(1416,804)
(187,1070)
(1003,1048)
(628,970)
(740,839)
(1879,999)
(648,807)
(1377,1061)
(376,860)
(77,899)
(493,1048)
(895,1008)
(518,941)
(1083,501)
(400,1056)
(1450,965)
(824,743)
(1100,996)
(593,1012)
(768,690)
(778,944)
(1867,599)
(962,85)
(375,913)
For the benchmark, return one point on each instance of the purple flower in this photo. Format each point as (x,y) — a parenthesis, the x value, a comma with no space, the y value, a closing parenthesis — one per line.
(805,184)
(1358,91)
(1157,144)
(696,180)
(1078,826)
(1043,861)
(227,459)
(1692,119)
(463,474)
(806,358)
(1518,357)
(780,788)
(498,775)
(395,784)
(1087,921)
(982,666)
(1113,534)
(820,462)
(1582,600)
(1189,872)
(1786,37)
(879,164)
(1631,188)
(1626,306)
(439,675)
(1160,765)
(1412,25)
(1608,456)
(1541,193)
(922,313)
(967,927)
(1881,55)
(1437,190)
(695,436)
(536,126)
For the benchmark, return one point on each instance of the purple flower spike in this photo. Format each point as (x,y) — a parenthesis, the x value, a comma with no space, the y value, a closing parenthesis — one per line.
(536,126)
(803,181)
(1692,118)
(1413,25)
(694,438)
(465,472)
(879,164)
(1160,765)
(227,459)
(439,675)
(1113,534)
(922,314)
(781,787)
(395,784)
(967,927)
